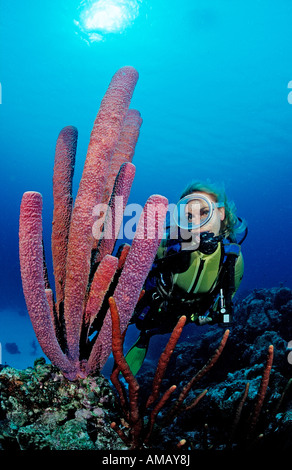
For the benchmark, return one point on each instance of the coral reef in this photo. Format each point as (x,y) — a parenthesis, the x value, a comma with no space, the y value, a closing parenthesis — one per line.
(84,267)
(249,399)
(243,402)
(140,417)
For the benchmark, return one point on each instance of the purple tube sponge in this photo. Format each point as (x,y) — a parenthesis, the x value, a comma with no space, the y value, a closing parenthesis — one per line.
(84,267)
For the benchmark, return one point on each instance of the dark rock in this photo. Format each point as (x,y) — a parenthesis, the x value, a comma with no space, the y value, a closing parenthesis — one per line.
(282,297)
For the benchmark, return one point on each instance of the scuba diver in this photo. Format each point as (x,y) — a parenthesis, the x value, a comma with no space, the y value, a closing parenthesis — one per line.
(197,269)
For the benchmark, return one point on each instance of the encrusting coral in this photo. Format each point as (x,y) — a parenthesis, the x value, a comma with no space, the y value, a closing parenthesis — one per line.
(82,256)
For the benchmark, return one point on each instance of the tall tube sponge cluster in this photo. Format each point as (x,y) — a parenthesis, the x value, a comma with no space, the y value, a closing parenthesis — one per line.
(84,266)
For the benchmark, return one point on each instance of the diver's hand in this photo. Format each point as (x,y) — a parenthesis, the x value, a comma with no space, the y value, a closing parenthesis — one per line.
(204,320)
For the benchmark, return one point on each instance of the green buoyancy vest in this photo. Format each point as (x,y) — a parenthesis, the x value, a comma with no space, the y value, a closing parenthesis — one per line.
(203,272)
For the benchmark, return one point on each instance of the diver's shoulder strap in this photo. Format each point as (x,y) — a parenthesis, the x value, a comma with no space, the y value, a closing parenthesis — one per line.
(226,283)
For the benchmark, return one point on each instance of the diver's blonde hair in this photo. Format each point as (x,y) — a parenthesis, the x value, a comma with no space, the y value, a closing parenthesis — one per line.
(229,226)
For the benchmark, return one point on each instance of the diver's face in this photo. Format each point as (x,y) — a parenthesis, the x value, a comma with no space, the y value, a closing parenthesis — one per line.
(197,215)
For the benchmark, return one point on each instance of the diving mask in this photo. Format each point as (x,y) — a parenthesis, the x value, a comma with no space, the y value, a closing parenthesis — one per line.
(194,211)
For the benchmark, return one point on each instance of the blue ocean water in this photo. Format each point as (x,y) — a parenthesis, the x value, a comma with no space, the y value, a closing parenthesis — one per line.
(214,96)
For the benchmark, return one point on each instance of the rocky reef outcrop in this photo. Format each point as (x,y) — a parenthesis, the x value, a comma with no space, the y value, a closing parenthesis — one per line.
(261,319)
(41,410)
